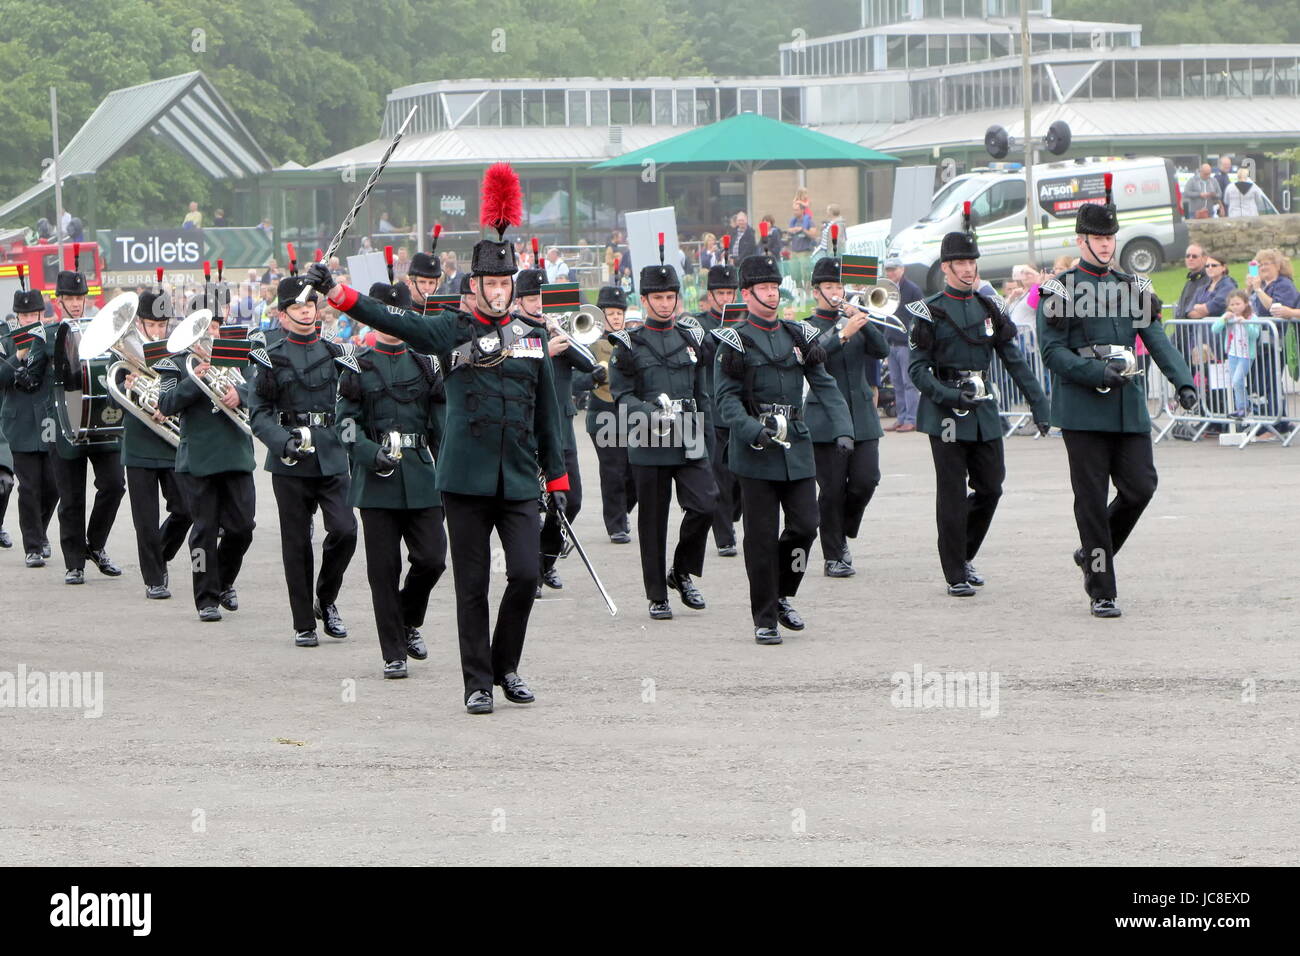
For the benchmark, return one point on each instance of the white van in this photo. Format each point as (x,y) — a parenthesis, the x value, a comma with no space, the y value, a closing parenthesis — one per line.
(1147,199)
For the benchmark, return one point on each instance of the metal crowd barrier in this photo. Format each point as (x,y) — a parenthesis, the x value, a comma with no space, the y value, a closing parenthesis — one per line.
(1013,407)
(1273,393)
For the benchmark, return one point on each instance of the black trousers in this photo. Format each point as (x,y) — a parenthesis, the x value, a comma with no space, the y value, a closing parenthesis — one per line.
(775,564)
(37,497)
(297,500)
(470,522)
(552,536)
(964,519)
(845,485)
(156,545)
(727,511)
(1097,459)
(617,489)
(76,536)
(222,509)
(397,608)
(697,494)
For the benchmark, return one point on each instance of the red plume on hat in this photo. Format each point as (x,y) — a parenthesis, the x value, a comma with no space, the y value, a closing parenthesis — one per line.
(726,247)
(537,261)
(159,270)
(76,257)
(388,260)
(501,203)
(1109,179)
(661,248)
(965,218)
(207,271)
(835,239)
(22,276)
(763,230)
(437,231)
(293,259)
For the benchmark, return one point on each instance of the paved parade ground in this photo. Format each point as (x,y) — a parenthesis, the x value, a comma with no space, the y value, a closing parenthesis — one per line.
(1166,737)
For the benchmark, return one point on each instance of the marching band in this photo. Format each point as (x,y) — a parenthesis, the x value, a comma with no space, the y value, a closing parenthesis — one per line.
(458,422)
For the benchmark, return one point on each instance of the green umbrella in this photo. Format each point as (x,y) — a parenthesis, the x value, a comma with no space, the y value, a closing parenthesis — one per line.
(749,142)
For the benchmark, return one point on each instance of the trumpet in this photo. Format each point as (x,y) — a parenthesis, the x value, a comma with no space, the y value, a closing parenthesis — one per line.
(879,302)
(392,445)
(192,335)
(584,326)
(114,330)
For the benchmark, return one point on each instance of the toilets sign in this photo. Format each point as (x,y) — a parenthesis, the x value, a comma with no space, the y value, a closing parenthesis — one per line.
(132,249)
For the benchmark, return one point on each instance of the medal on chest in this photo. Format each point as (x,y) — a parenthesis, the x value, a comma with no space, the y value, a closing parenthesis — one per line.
(988,325)
(490,343)
(691,352)
(528,348)
(798,354)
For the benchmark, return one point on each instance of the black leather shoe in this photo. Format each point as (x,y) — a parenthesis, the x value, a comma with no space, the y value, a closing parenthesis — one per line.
(788,616)
(661,611)
(837,569)
(74,576)
(551,578)
(333,623)
(415,645)
(727,551)
(516,690)
(845,556)
(961,589)
(209,614)
(5,540)
(479,702)
(34,560)
(973,577)
(538,595)
(306,639)
(767,635)
(156,592)
(682,584)
(1105,607)
(620,537)
(229,599)
(394,669)
(105,564)
(45,550)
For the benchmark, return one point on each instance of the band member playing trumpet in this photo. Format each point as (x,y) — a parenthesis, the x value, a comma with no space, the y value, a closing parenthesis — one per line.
(214,466)
(1089,320)
(292,412)
(390,419)
(82,540)
(150,462)
(24,400)
(503,424)
(658,377)
(845,484)
(761,368)
(953,340)
(617,488)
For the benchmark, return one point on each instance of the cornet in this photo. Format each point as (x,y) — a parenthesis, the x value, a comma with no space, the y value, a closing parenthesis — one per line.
(192,335)
(392,445)
(584,326)
(114,329)
(879,301)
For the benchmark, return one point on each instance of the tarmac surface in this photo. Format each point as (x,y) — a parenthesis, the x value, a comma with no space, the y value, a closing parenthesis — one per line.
(1168,736)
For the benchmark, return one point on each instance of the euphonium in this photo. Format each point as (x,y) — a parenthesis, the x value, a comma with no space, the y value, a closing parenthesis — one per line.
(192,335)
(114,329)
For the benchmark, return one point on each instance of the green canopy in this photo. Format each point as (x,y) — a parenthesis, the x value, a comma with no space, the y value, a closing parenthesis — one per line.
(749,142)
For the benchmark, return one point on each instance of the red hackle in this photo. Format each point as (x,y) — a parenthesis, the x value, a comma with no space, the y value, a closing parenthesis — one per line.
(160,274)
(388,254)
(501,203)
(207,271)
(764,228)
(221,267)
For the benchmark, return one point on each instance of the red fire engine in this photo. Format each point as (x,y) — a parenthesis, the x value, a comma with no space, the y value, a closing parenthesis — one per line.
(42,266)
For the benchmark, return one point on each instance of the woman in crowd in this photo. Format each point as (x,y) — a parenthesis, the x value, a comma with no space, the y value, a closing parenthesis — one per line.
(1211,299)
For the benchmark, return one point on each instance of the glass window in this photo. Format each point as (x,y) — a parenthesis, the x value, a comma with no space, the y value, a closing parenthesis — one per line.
(620,107)
(1287,71)
(599,107)
(1001,200)
(1038,42)
(555,108)
(1148,79)
(577,107)
(1171,78)
(1241,81)
(685,115)
(489,109)
(1103,81)
(916,52)
(979,46)
(749,101)
(533,108)
(641,107)
(957,48)
(1263,76)
(706,106)
(663,107)
(999,44)
(895,52)
(791,105)
(1216,80)
(937,49)
(772,104)
(512,111)
(727,97)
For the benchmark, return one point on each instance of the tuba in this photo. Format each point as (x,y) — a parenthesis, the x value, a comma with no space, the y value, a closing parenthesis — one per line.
(192,335)
(114,329)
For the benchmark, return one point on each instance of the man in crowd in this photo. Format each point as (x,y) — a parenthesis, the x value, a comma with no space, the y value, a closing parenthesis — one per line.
(906,396)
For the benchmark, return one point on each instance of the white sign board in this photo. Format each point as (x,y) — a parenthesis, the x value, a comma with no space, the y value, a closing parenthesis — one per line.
(366,269)
(643,228)
(913,191)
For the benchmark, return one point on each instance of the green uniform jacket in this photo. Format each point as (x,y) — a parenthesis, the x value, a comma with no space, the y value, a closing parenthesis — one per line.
(709,320)
(6,456)
(775,364)
(656,360)
(847,363)
(64,448)
(576,358)
(961,331)
(503,421)
(299,374)
(1093,320)
(23,413)
(141,448)
(211,443)
(395,391)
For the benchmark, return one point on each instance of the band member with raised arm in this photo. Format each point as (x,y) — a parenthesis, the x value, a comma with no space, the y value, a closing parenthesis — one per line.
(214,468)
(291,409)
(658,378)
(953,340)
(1089,319)
(389,418)
(617,488)
(760,371)
(502,428)
(24,418)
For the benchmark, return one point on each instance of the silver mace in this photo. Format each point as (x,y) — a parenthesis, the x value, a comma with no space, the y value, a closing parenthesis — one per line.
(361,200)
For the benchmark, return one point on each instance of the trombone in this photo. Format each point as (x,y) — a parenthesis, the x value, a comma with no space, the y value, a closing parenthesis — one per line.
(879,301)
(192,336)
(114,329)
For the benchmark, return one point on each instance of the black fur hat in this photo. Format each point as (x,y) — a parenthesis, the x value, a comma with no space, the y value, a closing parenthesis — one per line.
(71,281)
(465,287)
(960,245)
(660,278)
(1095,220)
(529,282)
(611,297)
(758,269)
(827,269)
(723,277)
(425,266)
(398,294)
(27,300)
(286,293)
(155,305)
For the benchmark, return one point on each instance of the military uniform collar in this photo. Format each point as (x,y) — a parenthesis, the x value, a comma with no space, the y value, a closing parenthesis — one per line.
(827,314)
(1090,268)
(657,325)
(952,293)
(382,349)
(489,320)
(299,338)
(767,325)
